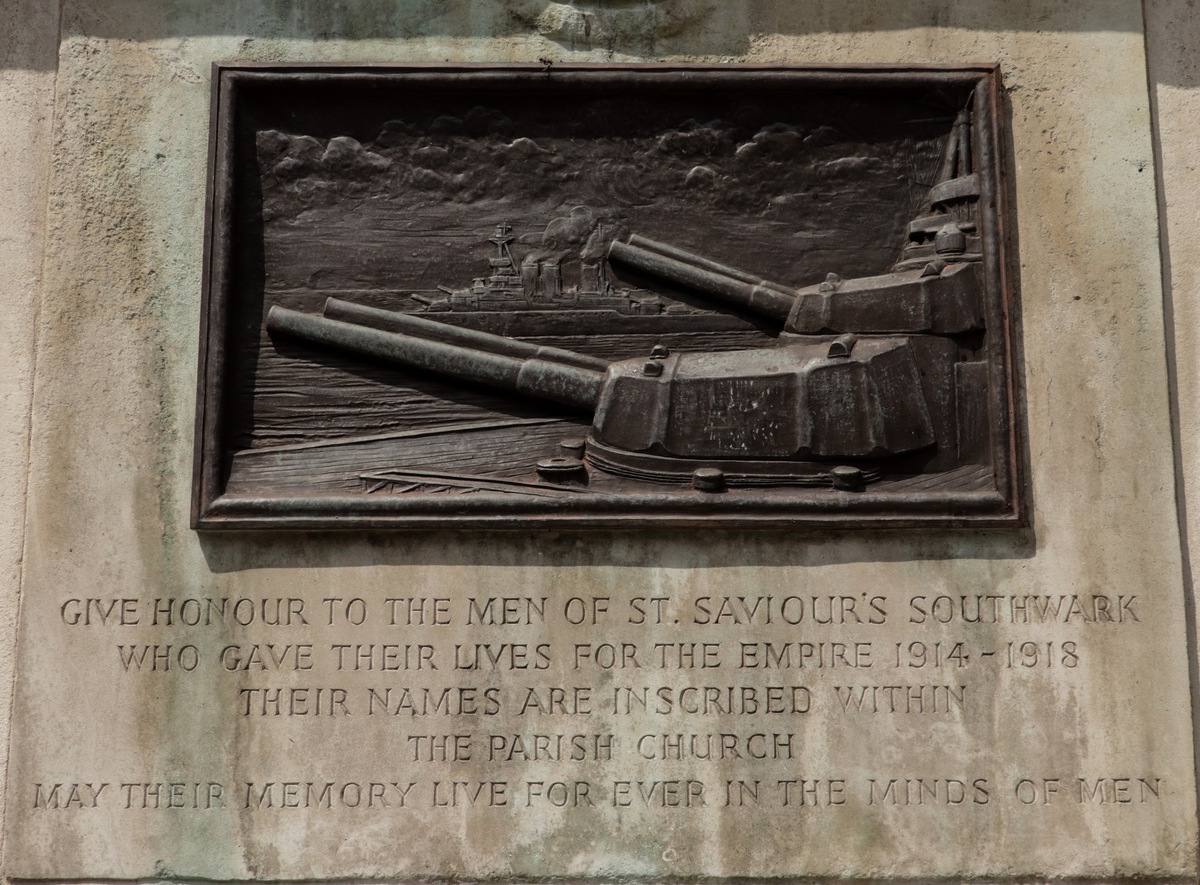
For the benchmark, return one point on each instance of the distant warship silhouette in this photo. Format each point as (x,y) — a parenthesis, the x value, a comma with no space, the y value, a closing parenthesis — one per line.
(537,284)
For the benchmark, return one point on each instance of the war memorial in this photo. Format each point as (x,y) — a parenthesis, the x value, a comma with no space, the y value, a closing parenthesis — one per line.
(639,441)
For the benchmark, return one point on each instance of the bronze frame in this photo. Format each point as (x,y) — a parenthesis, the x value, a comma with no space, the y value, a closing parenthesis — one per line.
(1005,506)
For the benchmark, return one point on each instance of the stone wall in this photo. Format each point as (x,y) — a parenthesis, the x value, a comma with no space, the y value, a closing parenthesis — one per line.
(104,142)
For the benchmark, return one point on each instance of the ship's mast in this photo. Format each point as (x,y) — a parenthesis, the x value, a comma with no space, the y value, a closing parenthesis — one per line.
(501,239)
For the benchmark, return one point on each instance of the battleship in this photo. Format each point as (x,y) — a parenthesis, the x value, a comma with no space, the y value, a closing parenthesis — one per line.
(537,284)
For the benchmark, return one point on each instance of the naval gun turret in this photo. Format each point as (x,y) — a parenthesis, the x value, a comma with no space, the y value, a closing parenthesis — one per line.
(784,415)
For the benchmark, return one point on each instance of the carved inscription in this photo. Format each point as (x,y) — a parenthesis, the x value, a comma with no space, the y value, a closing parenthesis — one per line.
(524,702)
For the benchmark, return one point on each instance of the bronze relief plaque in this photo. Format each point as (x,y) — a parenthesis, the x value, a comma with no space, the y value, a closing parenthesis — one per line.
(606,296)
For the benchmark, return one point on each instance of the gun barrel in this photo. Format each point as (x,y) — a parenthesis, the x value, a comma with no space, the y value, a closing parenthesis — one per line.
(705,263)
(751,293)
(541,379)
(391,321)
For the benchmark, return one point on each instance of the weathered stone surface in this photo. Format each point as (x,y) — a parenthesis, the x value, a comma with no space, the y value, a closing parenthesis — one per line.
(110,478)
(28,55)
(1172,35)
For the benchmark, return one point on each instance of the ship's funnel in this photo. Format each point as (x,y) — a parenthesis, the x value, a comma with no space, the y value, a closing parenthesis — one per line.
(591,278)
(530,269)
(552,279)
